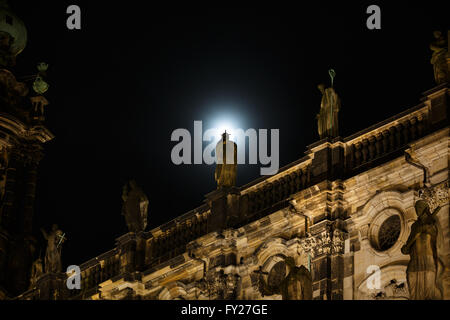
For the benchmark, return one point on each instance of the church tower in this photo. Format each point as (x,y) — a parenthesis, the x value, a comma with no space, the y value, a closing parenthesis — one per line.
(22,135)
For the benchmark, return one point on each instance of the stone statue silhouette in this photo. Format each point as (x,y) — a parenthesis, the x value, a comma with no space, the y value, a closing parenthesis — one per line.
(53,253)
(297,285)
(135,206)
(439,58)
(424,267)
(327,119)
(226,168)
(37,270)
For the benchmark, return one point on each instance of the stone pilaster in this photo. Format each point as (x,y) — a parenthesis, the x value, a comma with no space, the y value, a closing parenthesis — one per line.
(52,286)
(127,247)
(224,204)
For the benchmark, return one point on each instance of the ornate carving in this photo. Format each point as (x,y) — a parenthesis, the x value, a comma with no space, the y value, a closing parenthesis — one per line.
(324,243)
(392,291)
(396,290)
(435,196)
(218,285)
(338,241)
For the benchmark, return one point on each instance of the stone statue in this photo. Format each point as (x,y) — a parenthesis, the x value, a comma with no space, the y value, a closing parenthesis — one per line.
(226,168)
(37,270)
(424,265)
(297,285)
(135,206)
(55,239)
(439,58)
(327,119)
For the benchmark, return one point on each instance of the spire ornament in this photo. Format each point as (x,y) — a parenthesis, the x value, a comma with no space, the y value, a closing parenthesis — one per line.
(40,87)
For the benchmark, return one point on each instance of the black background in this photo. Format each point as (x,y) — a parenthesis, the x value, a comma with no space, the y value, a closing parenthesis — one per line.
(137,70)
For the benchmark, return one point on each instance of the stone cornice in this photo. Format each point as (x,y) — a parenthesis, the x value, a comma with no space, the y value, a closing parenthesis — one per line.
(13,129)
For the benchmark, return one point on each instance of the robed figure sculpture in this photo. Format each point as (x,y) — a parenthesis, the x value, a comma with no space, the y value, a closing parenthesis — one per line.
(226,155)
(135,206)
(55,239)
(439,58)
(37,270)
(424,267)
(327,119)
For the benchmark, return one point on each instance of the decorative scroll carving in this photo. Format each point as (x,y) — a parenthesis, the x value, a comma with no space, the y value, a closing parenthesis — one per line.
(324,243)
(393,291)
(338,241)
(436,196)
(218,285)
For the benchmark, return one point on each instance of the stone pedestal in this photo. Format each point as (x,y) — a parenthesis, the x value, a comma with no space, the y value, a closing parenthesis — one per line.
(224,204)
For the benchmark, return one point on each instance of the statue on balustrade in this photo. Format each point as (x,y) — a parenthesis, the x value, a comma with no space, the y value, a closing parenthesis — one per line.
(424,268)
(226,168)
(52,259)
(135,206)
(327,119)
(439,58)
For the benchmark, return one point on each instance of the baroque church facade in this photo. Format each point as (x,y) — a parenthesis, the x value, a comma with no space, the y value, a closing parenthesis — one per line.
(360,217)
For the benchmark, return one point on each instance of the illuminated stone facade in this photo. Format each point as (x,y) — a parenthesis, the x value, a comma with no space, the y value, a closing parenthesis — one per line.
(340,211)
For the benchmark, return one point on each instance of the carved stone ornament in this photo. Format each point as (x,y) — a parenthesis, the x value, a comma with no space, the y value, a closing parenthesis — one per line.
(324,243)
(436,196)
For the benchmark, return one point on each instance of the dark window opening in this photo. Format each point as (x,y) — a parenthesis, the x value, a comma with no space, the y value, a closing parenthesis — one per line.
(389,232)
(9,20)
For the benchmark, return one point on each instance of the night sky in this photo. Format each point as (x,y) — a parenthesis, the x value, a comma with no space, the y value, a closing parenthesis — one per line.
(136,71)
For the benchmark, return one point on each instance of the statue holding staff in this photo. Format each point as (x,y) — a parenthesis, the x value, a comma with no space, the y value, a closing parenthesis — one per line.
(52,259)
(327,119)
